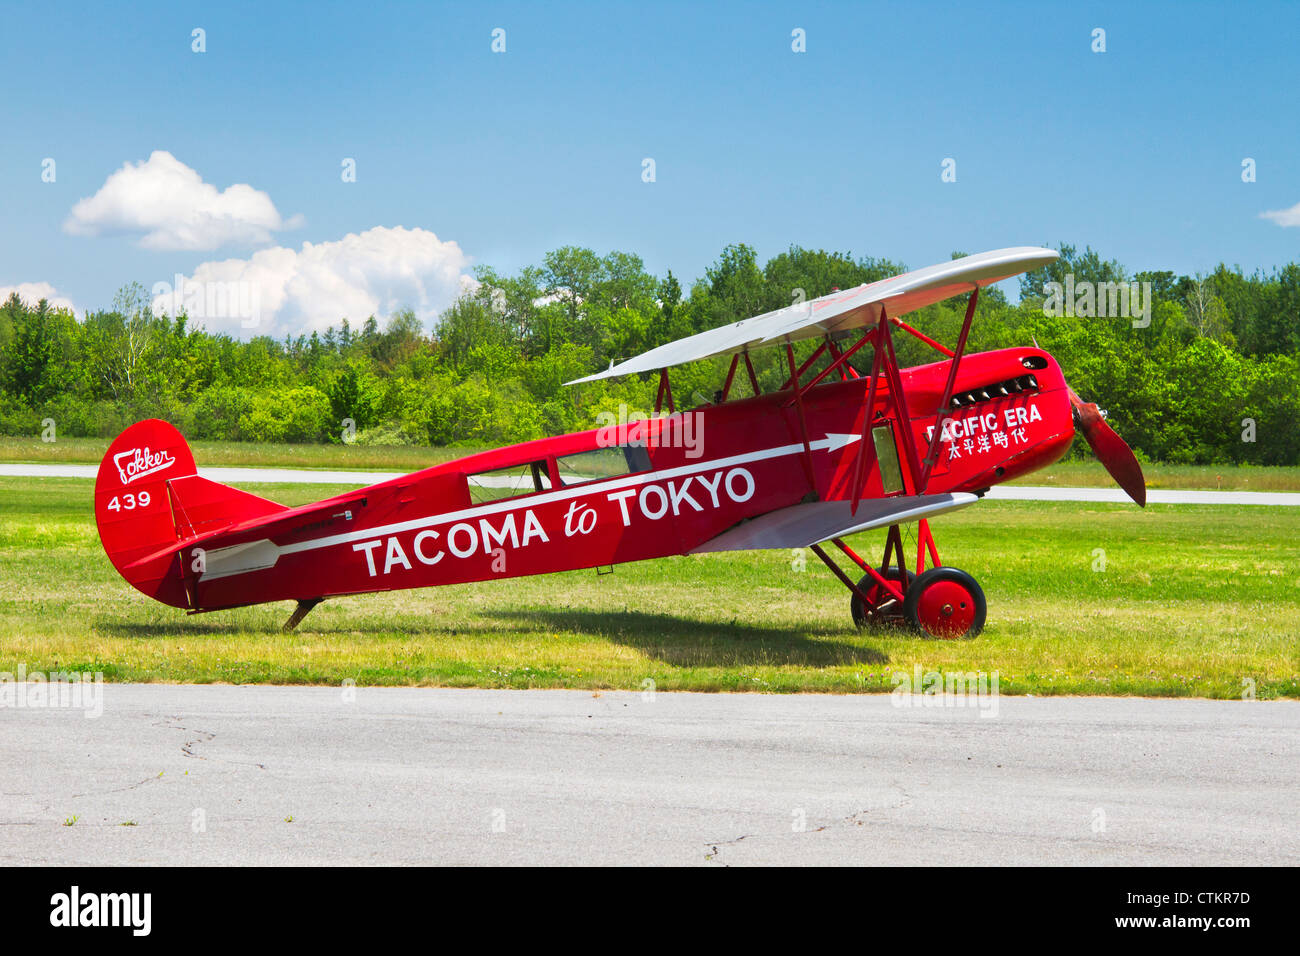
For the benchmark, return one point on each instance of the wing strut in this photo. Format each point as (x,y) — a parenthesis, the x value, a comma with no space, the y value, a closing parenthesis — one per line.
(922,336)
(664,389)
(731,374)
(749,367)
(841,360)
(900,405)
(866,447)
(803,367)
(803,421)
(932,455)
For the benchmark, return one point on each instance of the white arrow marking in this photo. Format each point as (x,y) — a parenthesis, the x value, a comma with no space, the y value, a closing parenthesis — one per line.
(837,440)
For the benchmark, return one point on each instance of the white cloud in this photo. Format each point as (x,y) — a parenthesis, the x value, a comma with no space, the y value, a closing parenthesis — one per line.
(33,292)
(1283,217)
(170,206)
(283,291)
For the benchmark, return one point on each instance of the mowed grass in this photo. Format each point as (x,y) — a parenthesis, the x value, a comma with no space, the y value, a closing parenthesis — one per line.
(1192,601)
(1070,474)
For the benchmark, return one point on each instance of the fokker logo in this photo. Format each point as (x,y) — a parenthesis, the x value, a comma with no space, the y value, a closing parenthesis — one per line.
(139,462)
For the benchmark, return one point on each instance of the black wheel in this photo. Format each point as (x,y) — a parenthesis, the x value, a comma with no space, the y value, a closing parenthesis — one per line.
(891,611)
(946,603)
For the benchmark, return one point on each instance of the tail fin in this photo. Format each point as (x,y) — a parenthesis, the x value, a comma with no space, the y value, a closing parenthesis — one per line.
(150,500)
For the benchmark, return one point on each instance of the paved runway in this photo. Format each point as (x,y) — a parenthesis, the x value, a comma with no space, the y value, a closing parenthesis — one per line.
(1002,492)
(1156,496)
(266,775)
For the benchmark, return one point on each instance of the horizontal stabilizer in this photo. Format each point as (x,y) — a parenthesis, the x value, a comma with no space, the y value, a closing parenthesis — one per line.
(235,535)
(201,505)
(803,525)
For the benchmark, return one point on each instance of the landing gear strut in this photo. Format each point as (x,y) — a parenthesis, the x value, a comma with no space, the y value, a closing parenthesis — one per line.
(887,608)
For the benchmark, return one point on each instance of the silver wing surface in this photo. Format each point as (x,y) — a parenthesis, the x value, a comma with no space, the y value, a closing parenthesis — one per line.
(856,308)
(803,525)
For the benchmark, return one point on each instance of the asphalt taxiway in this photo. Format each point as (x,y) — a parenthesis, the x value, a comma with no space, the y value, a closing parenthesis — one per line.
(221,774)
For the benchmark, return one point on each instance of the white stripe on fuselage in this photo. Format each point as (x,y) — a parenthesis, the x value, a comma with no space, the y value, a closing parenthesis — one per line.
(831,442)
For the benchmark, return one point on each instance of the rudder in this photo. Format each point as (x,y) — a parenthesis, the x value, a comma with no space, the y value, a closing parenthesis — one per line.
(149,497)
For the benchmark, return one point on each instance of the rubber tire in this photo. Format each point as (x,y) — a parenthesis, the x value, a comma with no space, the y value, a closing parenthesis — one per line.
(953,581)
(860,618)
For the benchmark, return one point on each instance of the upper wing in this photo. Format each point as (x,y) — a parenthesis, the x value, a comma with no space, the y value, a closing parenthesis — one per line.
(803,525)
(851,309)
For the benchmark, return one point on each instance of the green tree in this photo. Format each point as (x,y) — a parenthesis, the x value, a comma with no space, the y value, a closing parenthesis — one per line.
(31,369)
(736,287)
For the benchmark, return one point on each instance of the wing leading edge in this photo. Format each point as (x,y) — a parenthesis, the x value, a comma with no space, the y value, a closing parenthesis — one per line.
(803,525)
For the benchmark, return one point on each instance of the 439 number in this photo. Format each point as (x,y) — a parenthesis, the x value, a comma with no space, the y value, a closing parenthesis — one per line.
(129,501)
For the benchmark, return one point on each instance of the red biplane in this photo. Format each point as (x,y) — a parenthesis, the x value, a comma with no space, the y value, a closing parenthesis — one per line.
(840,448)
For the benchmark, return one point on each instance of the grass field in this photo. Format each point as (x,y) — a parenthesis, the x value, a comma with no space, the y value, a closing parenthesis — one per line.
(1192,601)
(1077,474)
(211,454)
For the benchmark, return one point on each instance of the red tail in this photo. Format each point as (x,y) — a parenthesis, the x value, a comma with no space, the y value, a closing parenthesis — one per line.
(150,501)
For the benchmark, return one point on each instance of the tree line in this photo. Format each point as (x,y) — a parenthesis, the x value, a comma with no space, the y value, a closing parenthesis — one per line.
(1211,374)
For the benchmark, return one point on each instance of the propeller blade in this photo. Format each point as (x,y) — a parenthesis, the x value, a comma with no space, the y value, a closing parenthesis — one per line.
(1111,450)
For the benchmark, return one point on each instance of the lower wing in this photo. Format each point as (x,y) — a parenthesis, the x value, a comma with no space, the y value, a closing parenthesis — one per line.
(803,525)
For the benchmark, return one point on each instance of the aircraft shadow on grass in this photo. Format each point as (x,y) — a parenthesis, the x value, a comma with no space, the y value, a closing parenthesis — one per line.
(182,627)
(688,642)
(680,641)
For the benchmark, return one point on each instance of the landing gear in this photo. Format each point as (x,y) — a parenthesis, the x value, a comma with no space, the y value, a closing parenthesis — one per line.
(945,602)
(940,602)
(888,609)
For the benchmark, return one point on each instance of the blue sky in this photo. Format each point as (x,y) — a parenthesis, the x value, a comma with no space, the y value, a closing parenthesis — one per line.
(1136,151)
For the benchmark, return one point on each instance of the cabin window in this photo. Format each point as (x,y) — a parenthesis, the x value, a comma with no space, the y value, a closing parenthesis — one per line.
(500,483)
(891,475)
(601,463)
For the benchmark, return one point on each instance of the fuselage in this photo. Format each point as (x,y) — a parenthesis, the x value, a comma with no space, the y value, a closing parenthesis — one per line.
(654,488)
